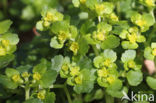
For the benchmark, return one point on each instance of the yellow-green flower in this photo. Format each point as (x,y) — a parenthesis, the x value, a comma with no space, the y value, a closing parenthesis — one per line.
(46,23)
(2,51)
(41,95)
(131,64)
(140,22)
(62,37)
(100,36)
(25,75)
(107,62)
(154,51)
(5,43)
(102,72)
(16,78)
(150,2)
(113,17)
(132,38)
(99,8)
(65,67)
(74,47)
(78,80)
(111,79)
(83,1)
(36,76)
(75,71)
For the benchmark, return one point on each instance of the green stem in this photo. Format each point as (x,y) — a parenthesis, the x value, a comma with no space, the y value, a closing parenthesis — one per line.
(58,86)
(95,50)
(65,90)
(109,99)
(67,94)
(27,93)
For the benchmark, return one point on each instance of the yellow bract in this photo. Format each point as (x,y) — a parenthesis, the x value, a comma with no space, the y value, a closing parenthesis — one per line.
(111,79)
(65,67)
(102,72)
(46,23)
(75,71)
(132,38)
(16,78)
(78,80)
(150,2)
(36,76)
(154,52)
(2,51)
(62,37)
(83,1)
(107,62)
(99,8)
(114,17)
(100,36)
(25,74)
(141,22)
(131,64)
(41,95)
(5,43)
(74,47)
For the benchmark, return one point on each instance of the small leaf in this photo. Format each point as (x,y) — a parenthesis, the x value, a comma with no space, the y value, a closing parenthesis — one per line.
(10,72)
(7,82)
(55,44)
(57,62)
(13,38)
(110,42)
(87,81)
(128,55)
(134,77)
(48,78)
(151,82)
(110,54)
(76,3)
(148,53)
(4,26)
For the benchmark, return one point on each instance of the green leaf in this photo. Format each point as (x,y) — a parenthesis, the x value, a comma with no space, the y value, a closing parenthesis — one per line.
(128,45)
(25,68)
(117,93)
(76,3)
(28,13)
(4,26)
(87,82)
(134,77)
(33,100)
(39,25)
(59,26)
(50,98)
(7,82)
(83,46)
(57,62)
(48,78)
(151,82)
(116,85)
(128,55)
(5,60)
(55,44)
(97,61)
(110,42)
(153,45)
(73,31)
(91,4)
(148,53)
(149,19)
(110,54)
(102,25)
(10,72)
(40,68)
(13,38)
